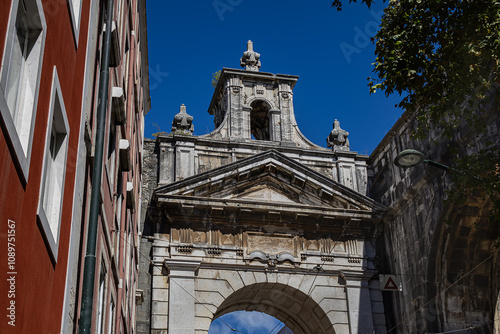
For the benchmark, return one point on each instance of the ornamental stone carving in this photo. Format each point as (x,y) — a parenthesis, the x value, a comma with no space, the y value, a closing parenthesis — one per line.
(183,123)
(337,139)
(272,259)
(250,60)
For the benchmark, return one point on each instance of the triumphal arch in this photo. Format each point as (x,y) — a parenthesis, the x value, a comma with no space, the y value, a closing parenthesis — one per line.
(255,217)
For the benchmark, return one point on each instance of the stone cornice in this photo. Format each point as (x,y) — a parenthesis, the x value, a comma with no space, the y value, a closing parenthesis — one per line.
(259,145)
(341,225)
(249,206)
(274,159)
(181,268)
(349,275)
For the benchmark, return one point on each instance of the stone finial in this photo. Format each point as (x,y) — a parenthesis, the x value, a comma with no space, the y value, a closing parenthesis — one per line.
(183,123)
(337,139)
(250,60)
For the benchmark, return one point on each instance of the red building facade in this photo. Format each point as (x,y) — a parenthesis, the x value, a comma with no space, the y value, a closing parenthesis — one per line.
(117,239)
(50,69)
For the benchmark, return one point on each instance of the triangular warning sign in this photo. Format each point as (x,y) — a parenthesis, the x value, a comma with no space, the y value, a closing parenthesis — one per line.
(391,285)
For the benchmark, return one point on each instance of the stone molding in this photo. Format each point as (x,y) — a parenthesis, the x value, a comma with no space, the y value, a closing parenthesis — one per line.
(181,268)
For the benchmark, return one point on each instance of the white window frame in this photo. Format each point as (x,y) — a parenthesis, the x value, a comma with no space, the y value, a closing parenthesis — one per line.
(111,152)
(51,221)
(101,301)
(75,8)
(20,136)
(111,316)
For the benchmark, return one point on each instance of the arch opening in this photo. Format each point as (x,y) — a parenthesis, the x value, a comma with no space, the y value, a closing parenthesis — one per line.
(248,322)
(466,259)
(299,312)
(259,120)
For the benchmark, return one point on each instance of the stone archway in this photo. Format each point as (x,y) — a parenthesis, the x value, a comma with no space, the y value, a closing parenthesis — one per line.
(294,308)
(306,302)
(465,267)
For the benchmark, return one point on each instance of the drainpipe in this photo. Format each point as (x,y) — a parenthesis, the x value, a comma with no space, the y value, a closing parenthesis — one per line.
(85,323)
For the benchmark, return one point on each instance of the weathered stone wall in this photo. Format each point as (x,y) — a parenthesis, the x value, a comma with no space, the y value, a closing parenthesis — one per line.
(445,252)
(149,183)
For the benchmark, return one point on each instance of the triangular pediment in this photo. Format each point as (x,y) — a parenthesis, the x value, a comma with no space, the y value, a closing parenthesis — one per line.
(268,179)
(264,193)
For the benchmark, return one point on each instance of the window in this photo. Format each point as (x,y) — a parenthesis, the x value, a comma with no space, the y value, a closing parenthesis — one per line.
(118,215)
(75,9)
(111,320)
(20,76)
(126,63)
(54,169)
(101,296)
(119,12)
(111,152)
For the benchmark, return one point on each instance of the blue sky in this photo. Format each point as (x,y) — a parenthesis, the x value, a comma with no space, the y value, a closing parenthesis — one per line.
(245,322)
(330,51)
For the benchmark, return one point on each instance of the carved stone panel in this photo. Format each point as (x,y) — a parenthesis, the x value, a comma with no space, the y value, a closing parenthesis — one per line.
(271,244)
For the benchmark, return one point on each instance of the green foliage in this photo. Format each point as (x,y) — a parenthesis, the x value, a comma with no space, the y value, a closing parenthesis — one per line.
(215,78)
(442,56)
(338,3)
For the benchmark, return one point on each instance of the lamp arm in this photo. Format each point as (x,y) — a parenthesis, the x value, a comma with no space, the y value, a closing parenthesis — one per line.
(438,165)
(451,170)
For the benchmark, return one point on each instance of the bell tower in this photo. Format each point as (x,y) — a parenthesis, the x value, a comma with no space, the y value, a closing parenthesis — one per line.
(253,105)
(253,113)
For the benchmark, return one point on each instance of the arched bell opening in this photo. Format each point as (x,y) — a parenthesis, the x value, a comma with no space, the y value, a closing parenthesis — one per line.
(259,120)
(299,312)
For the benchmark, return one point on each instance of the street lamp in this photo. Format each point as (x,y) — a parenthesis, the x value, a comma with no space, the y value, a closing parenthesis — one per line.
(412,158)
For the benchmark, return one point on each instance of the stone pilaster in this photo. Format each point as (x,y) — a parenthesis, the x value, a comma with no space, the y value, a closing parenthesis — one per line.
(361,177)
(246,131)
(286,106)
(236,116)
(359,305)
(181,312)
(275,120)
(346,171)
(167,163)
(184,160)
